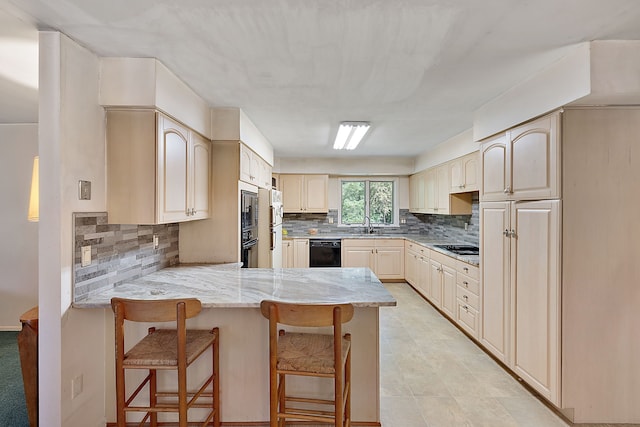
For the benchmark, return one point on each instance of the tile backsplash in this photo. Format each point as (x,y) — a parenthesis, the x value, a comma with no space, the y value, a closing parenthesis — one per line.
(119,251)
(438,227)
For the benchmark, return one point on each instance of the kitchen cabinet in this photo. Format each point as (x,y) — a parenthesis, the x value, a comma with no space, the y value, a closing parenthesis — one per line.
(521,289)
(158,170)
(411,263)
(464,173)
(468,298)
(253,169)
(417,192)
(523,163)
(304,193)
(385,257)
(429,192)
(287,254)
(300,253)
(442,278)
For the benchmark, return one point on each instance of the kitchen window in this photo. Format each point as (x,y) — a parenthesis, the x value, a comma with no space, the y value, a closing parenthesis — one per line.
(366,202)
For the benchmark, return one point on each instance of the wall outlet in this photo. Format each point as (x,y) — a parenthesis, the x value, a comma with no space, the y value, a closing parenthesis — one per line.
(156,241)
(84,190)
(77,386)
(466,226)
(403,220)
(330,219)
(85,258)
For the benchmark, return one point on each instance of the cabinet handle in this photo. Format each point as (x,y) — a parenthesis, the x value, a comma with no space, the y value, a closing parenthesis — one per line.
(513,233)
(506,232)
(507,190)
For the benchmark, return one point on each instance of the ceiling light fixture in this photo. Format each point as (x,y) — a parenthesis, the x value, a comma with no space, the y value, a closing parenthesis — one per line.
(350,134)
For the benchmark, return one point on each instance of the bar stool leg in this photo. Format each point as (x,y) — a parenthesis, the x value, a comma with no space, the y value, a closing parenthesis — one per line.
(153,397)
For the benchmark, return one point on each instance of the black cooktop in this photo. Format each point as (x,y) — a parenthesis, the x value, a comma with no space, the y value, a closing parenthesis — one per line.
(460,249)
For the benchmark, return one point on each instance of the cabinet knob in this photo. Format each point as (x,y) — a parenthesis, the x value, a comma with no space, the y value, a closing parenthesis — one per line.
(466,269)
(466,284)
(506,232)
(465,297)
(465,308)
(513,233)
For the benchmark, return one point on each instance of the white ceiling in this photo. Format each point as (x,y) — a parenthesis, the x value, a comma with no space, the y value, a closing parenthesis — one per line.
(416,69)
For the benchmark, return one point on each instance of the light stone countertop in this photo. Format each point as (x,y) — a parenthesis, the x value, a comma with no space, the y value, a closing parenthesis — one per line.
(230,286)
(416,238)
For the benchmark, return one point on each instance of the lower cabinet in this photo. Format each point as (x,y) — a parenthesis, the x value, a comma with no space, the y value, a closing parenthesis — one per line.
(385,257)
(295,253)
(287,253)
(442,277)
(301,253)
(468,298)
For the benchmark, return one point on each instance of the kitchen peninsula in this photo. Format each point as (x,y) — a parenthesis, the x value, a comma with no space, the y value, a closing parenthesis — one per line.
(231,297)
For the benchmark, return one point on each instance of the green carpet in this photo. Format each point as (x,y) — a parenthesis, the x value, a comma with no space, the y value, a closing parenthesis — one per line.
(13,408)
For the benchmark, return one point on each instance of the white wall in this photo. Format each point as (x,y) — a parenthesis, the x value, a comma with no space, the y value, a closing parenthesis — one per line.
(19,249)
(450,149)
(71,147)
(396,166)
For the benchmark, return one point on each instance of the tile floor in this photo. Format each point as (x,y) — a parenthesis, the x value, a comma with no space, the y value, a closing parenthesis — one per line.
(432,375)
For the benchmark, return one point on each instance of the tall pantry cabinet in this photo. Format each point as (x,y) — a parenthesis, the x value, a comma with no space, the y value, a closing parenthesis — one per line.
(559,258)
(520,249)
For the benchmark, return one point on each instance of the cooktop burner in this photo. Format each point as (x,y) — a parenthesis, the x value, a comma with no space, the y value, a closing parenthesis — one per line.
(460,249)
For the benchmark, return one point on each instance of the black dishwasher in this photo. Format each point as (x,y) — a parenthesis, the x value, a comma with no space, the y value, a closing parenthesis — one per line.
(325,253)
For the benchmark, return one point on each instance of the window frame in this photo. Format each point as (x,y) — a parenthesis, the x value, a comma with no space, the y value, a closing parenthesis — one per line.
(396,209)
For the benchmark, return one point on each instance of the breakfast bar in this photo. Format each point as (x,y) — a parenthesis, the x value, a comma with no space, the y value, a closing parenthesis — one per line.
(231,297)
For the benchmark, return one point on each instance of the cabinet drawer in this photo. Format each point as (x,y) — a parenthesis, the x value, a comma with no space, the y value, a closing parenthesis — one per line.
(464,295)
(470,270)
(388,243)
(468,283)
(467,318)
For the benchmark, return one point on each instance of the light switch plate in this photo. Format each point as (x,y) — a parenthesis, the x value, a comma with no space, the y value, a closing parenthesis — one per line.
(85,258)
(84,190)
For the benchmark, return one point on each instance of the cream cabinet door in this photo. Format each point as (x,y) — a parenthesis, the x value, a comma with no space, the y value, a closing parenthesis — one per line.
(358,254)
(425,277)
(287,254)
(173,166)
(535,159)
(535,295)
(316,193)
(411,267)
(448,277)
(494,169)
(442,190)
(291,186)
(495,293)
(200,176)
(471,168)
(389,263)
(301,253)
(417,192)
(435,281)
(246,163)
(265,175)
(431,190)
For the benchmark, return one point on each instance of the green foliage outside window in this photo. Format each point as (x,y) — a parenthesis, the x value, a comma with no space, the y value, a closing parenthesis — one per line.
(356,204)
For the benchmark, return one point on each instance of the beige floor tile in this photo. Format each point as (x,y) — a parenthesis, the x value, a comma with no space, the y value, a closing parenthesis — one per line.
(433,375)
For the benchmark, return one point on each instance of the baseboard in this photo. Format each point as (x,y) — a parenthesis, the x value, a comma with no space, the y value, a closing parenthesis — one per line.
(10,328)
(262,424)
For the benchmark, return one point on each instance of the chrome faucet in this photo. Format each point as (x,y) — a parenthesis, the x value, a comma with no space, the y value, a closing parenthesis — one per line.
(368,227)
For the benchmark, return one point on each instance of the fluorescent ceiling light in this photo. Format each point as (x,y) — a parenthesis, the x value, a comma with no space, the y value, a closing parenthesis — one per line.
(350,134)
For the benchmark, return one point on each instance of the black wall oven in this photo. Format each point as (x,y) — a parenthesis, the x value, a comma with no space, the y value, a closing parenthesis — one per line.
(249,229)
(325,253)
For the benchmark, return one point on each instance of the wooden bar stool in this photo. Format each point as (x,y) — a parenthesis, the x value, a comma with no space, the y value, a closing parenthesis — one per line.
(165,349)
(309,354)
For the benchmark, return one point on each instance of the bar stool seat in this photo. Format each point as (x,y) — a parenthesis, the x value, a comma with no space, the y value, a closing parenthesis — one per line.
(309,354)
(165,349)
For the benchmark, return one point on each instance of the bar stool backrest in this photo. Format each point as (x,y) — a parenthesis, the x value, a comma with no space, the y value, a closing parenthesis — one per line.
(306,315)
(154,310)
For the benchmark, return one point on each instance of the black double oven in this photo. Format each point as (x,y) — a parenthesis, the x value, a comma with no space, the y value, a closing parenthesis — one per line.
(249,229)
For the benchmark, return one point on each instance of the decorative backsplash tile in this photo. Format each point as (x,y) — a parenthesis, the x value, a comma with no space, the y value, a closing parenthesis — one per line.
(119,251)
(438,227)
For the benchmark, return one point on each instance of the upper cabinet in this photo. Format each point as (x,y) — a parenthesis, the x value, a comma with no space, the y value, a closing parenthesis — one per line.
(429,192)
(253,169)
(158,170)
(523,163)
(304,193)
(464,173)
